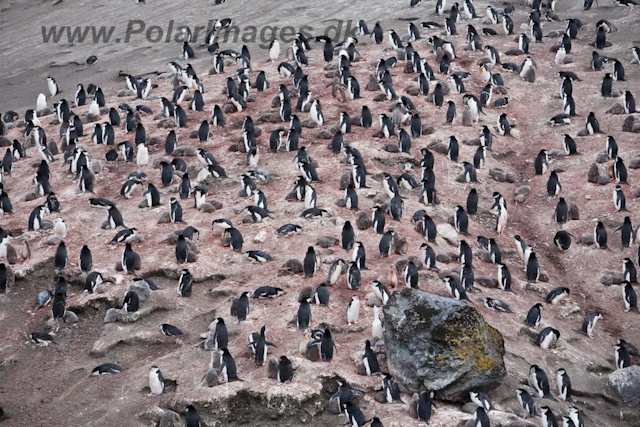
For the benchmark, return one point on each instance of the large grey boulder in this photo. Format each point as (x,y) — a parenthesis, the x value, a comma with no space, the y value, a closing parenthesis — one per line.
(626,382)
(441,344)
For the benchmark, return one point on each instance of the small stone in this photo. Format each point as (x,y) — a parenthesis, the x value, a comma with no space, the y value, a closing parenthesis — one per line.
(523,190)
(96,166)
(510,177)
(53,240)
(327,241)
(603,179)
(207,208)
(345,180)
(165,218)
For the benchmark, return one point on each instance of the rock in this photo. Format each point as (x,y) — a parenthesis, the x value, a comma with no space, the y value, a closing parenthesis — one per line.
(603,179)
(523,190)
(345,180)
(364,221)
(593,174)
(626,382)
(637,193)
(112,315)
(441,344)
(5,142)
(510,177)
(583,132)
(448,233)
(587,239)
(228,108)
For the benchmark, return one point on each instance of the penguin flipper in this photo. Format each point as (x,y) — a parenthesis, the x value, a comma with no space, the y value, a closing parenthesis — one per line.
(271,344)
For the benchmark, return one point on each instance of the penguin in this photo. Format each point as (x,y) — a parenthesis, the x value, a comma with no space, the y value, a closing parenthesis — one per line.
(465,254)
(548,418)
(534,316)
(303,319)
(425,406)
(351,197)
(504,278)
(607,85)
(390,389)
(128,260)
(453,149)
(541,162)
(630,298)
(481,399)
(370,359)
(569,145)
(589,323)
(547,337)
(381,291)
(310,264)
(562,211)
(228,367)
(461,220)
(564,385)
(359,255)
(629,103)
(553,185)
(600,236)
(620,171)
(353,310)
(455,288)
(562,240)
(629,273)
(85,260)
(481,418)
(284,372)
(316,112)
(60,258)
(378,220)
(526,401)
(185,282)
(396,205)
(353,276)
(576,417)
(557,294)
(619,200)
(236,240)
(532,268)
(539,381)
(497,305)
(156,380)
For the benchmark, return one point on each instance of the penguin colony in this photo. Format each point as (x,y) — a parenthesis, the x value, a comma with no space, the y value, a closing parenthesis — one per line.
(182,178)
